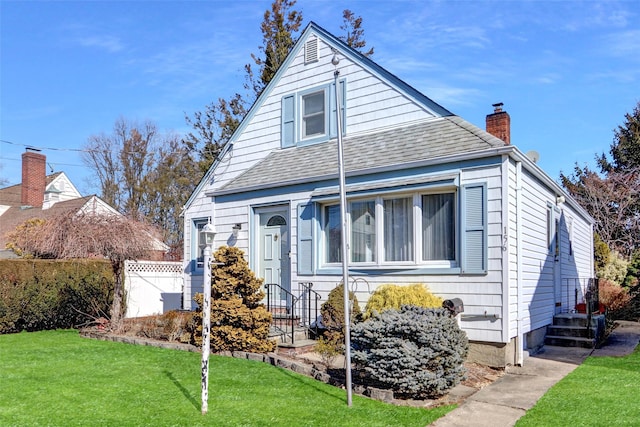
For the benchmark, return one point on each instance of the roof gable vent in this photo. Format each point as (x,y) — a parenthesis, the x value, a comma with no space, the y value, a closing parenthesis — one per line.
(311,50)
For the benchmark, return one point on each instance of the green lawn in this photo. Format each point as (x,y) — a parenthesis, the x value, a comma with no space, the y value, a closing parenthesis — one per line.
(603,391)
(57,378)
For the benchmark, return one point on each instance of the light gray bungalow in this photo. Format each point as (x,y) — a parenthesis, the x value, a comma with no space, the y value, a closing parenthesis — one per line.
(431,198)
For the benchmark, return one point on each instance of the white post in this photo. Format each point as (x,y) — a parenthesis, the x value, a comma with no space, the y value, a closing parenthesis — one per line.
(345,244)
(206,328)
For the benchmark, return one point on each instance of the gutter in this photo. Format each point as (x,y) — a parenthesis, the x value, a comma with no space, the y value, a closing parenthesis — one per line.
(520,335)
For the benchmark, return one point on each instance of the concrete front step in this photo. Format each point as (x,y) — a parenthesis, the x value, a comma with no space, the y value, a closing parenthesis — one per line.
(571,331)
(570,341)
(283,322)
(577,319)
(284,334)
(298,347)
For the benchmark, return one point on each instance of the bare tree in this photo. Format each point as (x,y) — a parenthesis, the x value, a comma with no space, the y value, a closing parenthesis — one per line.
(91,235)
(121,161)
(612,201)
(613,198)
(167,188)
(101,155)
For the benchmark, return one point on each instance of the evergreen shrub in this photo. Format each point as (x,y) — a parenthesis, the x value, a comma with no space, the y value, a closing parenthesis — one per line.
(239,320)
(395,296)
(53,294)
(417,352)
(332,311)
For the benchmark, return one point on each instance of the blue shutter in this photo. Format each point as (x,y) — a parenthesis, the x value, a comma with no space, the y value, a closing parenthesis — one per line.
(474,229)
(333,125)
(305,238)
(288,121)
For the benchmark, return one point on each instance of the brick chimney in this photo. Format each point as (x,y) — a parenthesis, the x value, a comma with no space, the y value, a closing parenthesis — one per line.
(33,178)
(499,123)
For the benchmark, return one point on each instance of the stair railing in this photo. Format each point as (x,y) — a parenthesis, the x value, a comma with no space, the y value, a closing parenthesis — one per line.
(302,309)
(310,301)
(276,296)
(592,301)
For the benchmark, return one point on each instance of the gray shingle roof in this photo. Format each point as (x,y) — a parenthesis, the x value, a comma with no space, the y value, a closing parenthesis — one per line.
(14,216)
(389,148)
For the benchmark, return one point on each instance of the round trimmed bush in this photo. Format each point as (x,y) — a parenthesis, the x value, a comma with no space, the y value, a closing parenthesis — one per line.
(417,352)
(395,296)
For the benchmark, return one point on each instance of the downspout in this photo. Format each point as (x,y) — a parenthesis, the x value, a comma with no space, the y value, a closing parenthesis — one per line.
(520,338)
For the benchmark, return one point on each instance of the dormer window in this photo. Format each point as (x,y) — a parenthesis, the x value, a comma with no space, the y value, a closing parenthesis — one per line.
(313,114)
(309,116)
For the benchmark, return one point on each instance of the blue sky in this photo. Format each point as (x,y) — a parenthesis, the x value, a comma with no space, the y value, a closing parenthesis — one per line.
(567,71)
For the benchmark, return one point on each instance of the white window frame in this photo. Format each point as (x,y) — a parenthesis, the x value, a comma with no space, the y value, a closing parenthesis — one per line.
(196,249)
(324,113)
(292,119)
(417,233)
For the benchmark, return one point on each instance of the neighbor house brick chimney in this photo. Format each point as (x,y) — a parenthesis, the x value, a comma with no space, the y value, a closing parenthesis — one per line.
(499,123)
(33,178)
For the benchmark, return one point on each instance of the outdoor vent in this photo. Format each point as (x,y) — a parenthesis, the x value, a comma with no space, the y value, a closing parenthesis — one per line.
(311,50)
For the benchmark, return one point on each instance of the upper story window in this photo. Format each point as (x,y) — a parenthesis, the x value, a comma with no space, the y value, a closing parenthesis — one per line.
(309,116)
(313,114)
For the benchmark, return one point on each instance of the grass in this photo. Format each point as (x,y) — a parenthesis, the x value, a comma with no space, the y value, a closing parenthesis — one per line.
(603,391)
(57,378)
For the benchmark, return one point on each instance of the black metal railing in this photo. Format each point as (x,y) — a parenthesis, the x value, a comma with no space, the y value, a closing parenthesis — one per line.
(580,294)
(309,307)
(592,300)
(299,308)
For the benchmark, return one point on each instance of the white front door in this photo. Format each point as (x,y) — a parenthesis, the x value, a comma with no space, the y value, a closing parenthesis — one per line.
(274,248)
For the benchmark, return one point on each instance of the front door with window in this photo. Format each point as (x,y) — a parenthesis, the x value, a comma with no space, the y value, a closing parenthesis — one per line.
(274,248)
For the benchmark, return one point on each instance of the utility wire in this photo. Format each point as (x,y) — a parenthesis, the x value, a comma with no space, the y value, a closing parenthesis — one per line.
(43,148)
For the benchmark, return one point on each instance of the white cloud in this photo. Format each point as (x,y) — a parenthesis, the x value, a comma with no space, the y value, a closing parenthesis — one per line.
(111,44)
(623,44)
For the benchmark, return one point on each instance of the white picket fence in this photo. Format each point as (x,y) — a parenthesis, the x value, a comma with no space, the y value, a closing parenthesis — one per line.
(153,287)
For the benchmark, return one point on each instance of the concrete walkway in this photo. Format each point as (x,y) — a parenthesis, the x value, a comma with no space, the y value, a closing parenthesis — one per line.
(507,399)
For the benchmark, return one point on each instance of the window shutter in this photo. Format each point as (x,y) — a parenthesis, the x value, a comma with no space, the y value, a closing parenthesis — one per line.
(288,121)
(474,229)
(305,238)
(332,99)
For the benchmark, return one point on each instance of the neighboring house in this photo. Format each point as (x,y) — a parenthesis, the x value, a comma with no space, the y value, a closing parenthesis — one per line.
(431,199)
(42,196)
(152,287)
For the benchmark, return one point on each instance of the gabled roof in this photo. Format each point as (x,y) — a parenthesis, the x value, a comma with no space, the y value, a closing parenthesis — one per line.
(344,50)
(16,215)
(12,196)
(390,149)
